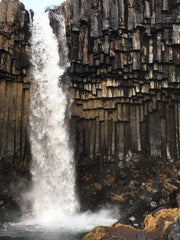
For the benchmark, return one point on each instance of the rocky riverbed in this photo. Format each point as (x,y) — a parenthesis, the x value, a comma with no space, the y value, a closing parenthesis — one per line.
(135,187)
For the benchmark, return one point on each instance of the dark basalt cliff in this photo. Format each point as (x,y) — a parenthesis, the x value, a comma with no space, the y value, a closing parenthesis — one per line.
(125,82)
(125,59)
(14,84)
(14,94)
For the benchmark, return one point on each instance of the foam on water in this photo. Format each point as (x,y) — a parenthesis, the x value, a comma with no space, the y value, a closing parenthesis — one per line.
(71,223)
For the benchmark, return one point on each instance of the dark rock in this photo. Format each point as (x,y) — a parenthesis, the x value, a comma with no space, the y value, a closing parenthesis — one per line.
(14,86)
(130,47)
(173,231)
(157,209)
(175,198)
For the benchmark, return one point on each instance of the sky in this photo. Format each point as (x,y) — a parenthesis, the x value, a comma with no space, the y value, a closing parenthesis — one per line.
(39,5)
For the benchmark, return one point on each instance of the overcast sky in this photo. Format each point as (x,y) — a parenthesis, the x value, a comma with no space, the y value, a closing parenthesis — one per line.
(40,5)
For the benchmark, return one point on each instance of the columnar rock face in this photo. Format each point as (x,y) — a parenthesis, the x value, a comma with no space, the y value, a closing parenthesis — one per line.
(14,85)
(125,58)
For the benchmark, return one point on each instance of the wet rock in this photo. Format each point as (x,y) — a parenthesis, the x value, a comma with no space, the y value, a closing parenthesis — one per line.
(157,209)
(122,175)
(153,204)
(132,219)
(162,202)
(175,198)
(178,175)
(178,199)
(131,184)
(173,231)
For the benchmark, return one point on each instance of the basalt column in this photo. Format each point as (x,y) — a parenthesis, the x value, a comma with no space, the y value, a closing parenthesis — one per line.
(125,64)
(14,85)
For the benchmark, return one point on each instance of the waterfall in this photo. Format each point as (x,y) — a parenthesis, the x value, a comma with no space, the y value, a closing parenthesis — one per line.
(52,168)
(53,200)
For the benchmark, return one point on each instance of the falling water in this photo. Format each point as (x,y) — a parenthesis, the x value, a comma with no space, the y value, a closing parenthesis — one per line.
(52,165)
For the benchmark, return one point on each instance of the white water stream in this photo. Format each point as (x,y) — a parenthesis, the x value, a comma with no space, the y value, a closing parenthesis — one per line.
(52,165)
